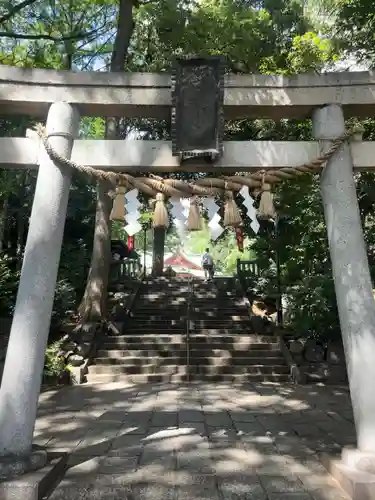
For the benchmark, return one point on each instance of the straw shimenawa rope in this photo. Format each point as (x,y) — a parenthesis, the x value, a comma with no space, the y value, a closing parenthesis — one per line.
(153,185)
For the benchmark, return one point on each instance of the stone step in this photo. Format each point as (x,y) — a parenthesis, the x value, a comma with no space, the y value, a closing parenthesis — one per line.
(138,369)
(222,306)
(157,295)
(234,368)
(213,330)
(170,349)
(244,362)
(143,360)
(256,356)
(231,347)
(197,360)
(194,368)
(150,307)
(161,312)
(211,335)
(178,378)
(108,378)
(216,317)
(178,336)
(139,328)
(194,347)
(208,323)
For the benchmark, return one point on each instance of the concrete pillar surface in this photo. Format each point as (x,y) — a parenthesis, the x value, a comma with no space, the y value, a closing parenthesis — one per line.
(351,273)
(24,362)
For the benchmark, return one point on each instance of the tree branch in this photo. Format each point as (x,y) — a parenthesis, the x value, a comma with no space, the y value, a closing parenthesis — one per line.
(21,36)
(16,9)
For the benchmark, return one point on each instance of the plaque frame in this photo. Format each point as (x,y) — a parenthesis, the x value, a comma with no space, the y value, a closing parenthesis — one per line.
(215,150)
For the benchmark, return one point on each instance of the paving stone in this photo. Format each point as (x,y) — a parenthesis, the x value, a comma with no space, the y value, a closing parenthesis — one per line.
(193,463)
(68,491)
(218,419)
(113,416)
(82,467)
(96,442)
(164,419)
(280,484)
(280,467)
(306,430)
(242,487)
(241,416)
(118,465)
(66,442)
(164,441)
(109,492)
(187,416)
(154,456)
(153,492)
(329,494)
(290,496)
(198,487)
(136,429)
(249,428)
(126,446)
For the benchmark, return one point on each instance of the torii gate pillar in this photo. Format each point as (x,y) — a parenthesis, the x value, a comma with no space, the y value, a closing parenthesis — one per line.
(351,275)
(24,362)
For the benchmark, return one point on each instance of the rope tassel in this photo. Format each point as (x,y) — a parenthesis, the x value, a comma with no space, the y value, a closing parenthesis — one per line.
(118,208)
(232,216)
(194,222)
(266,209)
(160,217)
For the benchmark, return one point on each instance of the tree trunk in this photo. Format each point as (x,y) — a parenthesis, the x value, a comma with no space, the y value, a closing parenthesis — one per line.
(3,218)
(21,220)
(93,305)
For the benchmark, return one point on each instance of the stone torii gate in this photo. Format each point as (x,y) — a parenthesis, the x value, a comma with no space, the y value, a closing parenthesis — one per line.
(65,96)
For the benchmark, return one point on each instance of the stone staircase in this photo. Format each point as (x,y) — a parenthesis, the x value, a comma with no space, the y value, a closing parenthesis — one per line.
(223,344)
(153,346)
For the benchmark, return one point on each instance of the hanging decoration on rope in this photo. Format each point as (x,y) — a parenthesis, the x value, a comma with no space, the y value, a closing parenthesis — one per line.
(250,209)
(232,216)
(266,207)
(178,213)
(239,238)
(131,242)
(160,217)
(214,218)
(216,229)
(118,208)
(194,222)
(132,214)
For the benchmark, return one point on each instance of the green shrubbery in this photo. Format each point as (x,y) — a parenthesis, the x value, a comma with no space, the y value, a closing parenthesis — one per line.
(55,368)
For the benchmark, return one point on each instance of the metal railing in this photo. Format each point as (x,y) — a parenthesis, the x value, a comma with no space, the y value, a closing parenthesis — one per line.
(127,268)
(187,331)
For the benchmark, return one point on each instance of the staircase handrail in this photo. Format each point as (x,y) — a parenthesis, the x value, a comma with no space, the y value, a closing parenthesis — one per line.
(188,314)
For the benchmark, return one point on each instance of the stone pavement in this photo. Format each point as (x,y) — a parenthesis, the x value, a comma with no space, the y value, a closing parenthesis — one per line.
(198,441)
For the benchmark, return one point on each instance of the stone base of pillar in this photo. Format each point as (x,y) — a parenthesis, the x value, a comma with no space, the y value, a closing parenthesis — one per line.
(31,478)
(355,473)
(13,465)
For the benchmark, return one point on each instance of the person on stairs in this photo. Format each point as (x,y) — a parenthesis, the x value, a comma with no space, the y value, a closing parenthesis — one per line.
(208,265)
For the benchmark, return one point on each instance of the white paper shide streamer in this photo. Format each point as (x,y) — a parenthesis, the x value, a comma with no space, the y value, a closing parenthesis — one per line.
(179,213)
(212,208)
(132,214)
(251,212)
